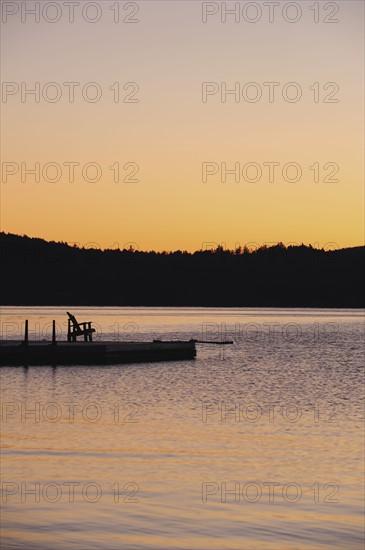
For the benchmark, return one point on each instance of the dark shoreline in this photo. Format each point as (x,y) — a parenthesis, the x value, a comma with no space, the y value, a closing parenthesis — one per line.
(267,277)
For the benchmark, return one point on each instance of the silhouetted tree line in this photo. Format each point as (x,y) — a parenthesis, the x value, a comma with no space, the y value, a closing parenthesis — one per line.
(37,272)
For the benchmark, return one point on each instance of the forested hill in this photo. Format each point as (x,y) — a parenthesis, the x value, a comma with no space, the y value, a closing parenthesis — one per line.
(37,272)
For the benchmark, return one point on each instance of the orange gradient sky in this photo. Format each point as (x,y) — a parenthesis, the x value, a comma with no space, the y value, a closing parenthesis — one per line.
(170,132)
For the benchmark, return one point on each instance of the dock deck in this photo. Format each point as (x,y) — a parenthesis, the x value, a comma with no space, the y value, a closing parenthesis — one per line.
(91,353)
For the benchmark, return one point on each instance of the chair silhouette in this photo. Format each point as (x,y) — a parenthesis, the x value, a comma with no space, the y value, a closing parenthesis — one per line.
(76,329)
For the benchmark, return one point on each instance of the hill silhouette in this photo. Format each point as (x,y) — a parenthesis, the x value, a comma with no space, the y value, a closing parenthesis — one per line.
(37,272)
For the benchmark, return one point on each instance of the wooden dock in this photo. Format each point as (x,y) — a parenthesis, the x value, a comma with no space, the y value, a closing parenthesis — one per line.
(93,353)
(87,352)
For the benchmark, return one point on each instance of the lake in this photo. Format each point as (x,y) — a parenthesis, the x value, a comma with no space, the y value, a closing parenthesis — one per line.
(257,445)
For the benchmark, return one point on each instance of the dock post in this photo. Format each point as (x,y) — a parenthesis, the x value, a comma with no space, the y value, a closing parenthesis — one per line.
(26,333)
(53,332)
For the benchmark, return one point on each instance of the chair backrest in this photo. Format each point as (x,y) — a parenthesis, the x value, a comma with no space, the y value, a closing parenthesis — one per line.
(72,319)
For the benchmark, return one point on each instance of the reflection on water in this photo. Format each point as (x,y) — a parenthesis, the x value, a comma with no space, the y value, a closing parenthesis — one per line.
(254,446)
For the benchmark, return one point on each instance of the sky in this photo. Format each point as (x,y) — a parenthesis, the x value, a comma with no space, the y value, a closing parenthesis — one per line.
(148,100)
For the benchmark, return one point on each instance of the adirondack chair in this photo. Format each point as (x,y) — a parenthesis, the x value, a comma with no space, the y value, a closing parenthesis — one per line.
(76,329)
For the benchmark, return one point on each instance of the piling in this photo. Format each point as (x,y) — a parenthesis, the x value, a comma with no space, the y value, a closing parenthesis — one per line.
(53,333)
(26,338)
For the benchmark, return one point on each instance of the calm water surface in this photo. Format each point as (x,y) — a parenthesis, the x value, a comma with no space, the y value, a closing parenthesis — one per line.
(258,445)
